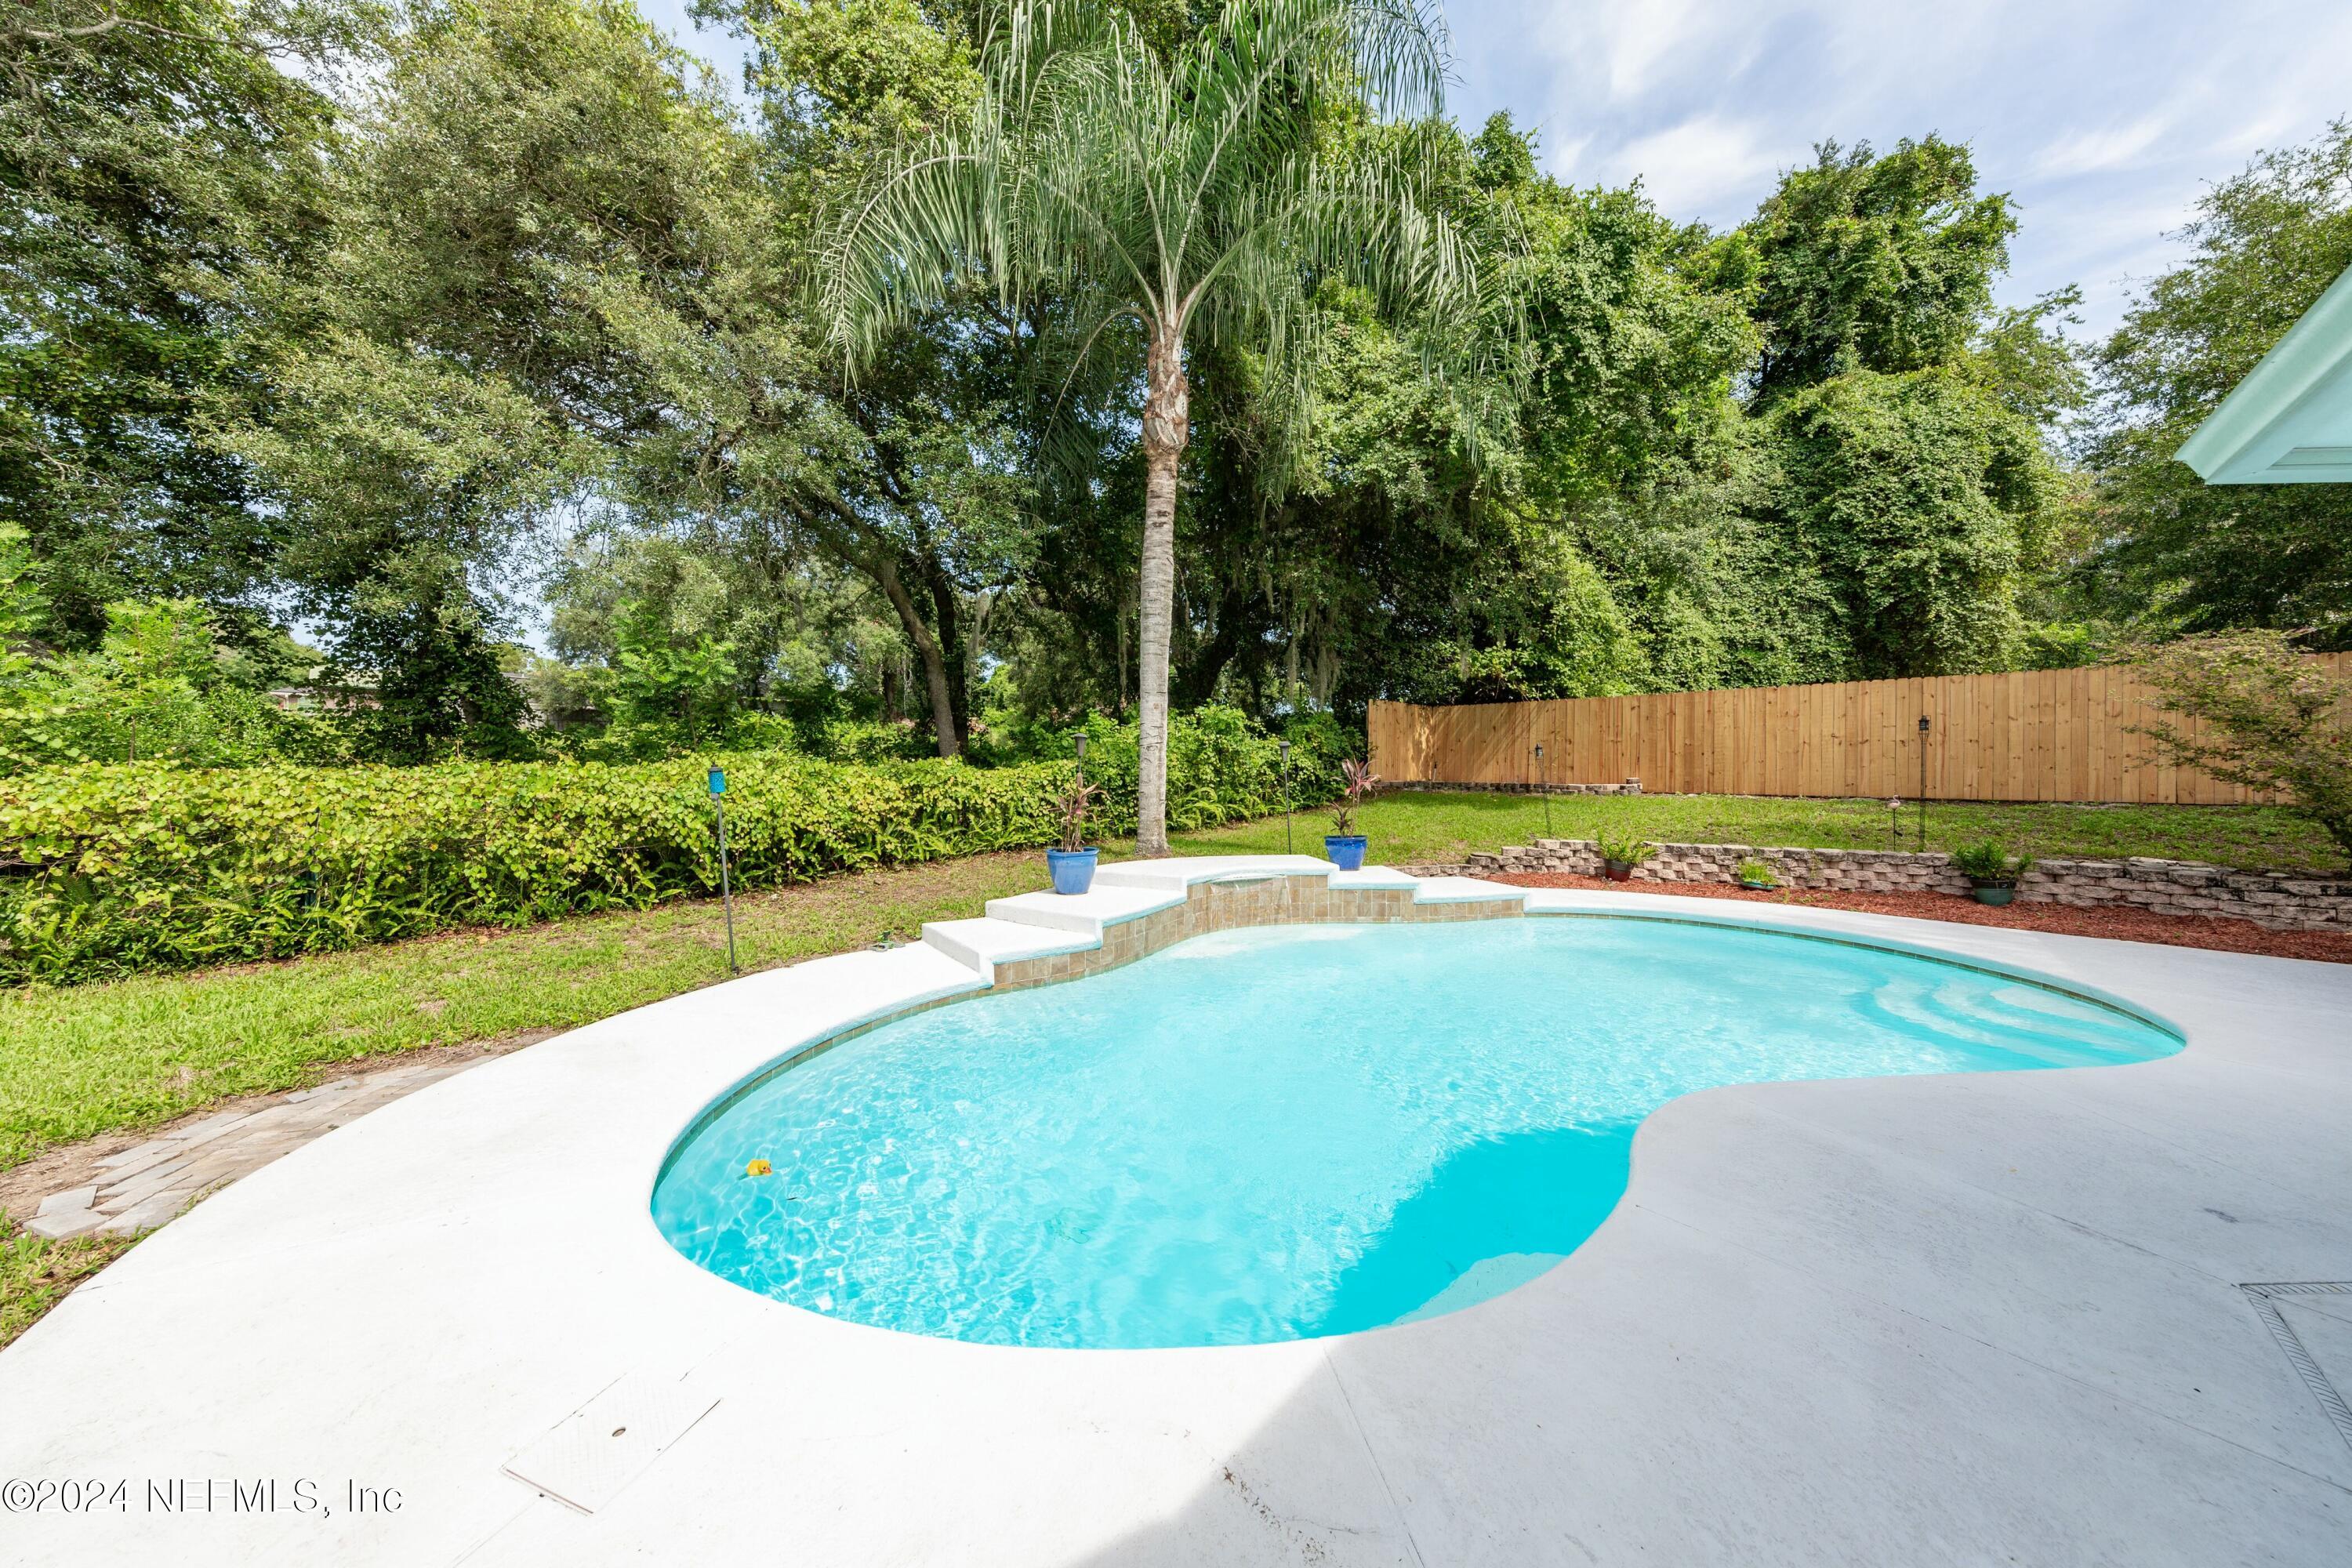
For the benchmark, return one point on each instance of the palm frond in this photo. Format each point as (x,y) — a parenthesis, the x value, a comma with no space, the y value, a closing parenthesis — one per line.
(1209,192)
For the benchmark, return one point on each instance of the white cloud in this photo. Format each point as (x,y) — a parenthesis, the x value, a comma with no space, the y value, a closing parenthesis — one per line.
(2097,151)
(1636,41)
(2106,118)
(1694,165)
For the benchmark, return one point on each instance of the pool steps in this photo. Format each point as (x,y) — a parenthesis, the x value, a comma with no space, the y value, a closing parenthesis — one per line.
(1041,925)
(981,945)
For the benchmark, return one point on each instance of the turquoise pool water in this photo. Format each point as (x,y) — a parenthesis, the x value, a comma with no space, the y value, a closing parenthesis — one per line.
(1283,1133)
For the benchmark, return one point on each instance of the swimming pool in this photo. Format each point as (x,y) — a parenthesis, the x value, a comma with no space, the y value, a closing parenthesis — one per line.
(1291,1131)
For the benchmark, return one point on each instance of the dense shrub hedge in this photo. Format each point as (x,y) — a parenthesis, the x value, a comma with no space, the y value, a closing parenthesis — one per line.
(112,869)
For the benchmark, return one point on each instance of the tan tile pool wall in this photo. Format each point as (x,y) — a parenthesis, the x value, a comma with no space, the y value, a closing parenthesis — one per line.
(1227,906)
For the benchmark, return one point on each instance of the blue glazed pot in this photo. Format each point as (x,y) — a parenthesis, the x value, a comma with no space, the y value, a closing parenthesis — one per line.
(1348,853)
(1074,870)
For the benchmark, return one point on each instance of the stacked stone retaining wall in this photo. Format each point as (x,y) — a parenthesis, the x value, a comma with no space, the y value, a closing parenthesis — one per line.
(2281,901)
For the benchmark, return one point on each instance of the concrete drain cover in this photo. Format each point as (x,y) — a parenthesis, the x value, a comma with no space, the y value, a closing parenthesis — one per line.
(589,1456)
(2313,1323)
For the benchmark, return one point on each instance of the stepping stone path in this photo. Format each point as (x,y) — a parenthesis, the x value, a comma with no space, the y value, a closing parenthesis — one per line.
(143,1186)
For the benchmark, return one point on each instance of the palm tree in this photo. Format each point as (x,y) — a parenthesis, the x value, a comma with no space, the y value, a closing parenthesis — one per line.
(1199,194)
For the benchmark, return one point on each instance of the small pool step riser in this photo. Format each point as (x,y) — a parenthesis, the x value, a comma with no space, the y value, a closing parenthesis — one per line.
(1015,945)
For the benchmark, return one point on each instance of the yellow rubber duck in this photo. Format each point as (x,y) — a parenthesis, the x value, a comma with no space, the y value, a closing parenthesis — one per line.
(759,1168)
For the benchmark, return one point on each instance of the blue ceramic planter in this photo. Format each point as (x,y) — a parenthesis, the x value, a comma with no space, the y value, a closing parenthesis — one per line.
(1348,853)
(1074,870)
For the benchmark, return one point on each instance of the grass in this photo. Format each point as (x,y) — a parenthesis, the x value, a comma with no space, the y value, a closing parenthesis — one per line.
(84,1060)
(77,1061)
(1420,828)
(35,1272)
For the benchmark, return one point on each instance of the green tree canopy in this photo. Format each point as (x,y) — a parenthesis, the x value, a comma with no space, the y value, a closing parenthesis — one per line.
(1923,499)
(2164,547)
(393,320)
(1868,263)
(1187,195)
(153,160)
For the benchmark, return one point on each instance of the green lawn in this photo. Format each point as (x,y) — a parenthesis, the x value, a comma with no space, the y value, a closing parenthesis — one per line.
(35,1272)
(1418,828)
(83,1060)
(79,1060)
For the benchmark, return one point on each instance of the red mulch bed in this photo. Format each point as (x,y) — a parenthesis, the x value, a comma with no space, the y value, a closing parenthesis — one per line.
(2117,921)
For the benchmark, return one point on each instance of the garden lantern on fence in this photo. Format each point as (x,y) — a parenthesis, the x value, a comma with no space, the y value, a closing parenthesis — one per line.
(726,890)
(1923,784)
(1285,744)
(1543,777)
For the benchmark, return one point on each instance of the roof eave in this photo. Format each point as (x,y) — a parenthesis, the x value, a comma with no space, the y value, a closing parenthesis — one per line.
(2293,413)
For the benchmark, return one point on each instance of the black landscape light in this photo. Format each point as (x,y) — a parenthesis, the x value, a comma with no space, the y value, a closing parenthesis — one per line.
(1923,784)
(1285,744)
(726,890)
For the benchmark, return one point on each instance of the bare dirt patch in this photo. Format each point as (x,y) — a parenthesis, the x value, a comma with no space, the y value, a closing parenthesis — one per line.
(2116,922)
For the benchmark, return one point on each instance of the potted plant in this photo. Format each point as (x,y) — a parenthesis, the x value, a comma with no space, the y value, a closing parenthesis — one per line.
(1621,852)
(1343,845)
(1073,863)
(1992,872)
(1756,876)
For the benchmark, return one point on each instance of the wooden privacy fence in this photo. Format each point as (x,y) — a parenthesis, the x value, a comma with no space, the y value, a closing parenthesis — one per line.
(2058,735)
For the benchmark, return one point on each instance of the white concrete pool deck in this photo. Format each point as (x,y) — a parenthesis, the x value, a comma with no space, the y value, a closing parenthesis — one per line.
(1988,1318)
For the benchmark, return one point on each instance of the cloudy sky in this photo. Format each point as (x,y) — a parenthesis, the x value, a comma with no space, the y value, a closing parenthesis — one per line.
(2105,117)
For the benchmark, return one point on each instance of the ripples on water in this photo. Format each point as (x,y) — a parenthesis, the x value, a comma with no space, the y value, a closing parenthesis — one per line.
(1289,1132)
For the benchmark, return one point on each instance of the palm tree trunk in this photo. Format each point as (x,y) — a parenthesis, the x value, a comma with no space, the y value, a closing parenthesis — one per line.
(1167,426)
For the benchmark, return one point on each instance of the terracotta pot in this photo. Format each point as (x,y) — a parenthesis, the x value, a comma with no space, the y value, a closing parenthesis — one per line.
(1617,870)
